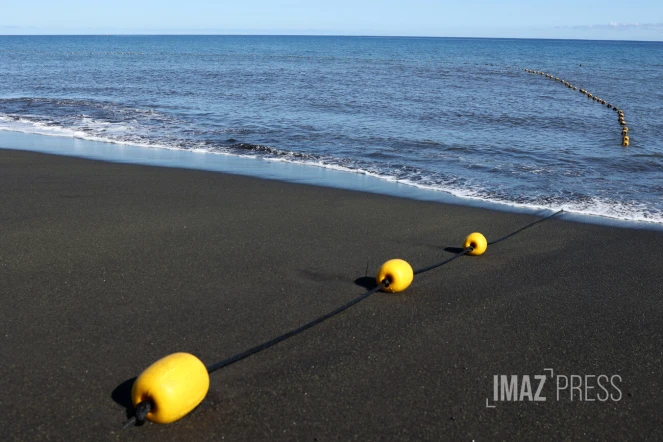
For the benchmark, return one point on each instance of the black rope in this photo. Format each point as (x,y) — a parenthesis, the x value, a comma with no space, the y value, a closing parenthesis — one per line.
(143,408)
(526,227)
(448,260)
(245,354)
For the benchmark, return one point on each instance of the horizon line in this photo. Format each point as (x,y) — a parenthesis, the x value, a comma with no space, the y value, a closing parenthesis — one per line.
(103,34)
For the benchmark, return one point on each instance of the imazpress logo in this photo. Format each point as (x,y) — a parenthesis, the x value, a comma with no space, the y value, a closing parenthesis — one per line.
(550,387)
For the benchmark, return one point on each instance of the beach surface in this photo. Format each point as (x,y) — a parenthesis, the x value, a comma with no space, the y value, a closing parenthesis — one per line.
(106,268)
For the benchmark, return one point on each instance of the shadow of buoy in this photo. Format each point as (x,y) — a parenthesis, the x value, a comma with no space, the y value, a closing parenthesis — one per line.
(367,282)
(122,396)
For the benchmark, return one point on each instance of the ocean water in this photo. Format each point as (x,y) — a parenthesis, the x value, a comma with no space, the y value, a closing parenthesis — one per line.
(453,115)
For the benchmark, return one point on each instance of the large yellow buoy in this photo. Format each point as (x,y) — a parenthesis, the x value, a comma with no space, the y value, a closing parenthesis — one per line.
(626,140)
(399,274)
(478,243)
(174,385)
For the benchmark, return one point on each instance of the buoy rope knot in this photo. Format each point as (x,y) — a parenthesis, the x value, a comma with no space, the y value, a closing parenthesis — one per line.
(140,414)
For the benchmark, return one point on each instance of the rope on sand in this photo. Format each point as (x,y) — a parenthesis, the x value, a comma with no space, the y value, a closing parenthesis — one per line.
(174,385)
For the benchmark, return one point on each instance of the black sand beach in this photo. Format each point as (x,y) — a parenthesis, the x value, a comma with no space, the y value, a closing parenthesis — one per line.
(105,268)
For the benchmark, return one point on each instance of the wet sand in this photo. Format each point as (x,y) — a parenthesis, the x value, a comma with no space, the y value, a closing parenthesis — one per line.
(105,268)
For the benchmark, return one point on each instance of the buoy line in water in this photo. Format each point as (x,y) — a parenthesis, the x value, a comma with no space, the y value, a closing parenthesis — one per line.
(347,59)
(173,386)
(626,140)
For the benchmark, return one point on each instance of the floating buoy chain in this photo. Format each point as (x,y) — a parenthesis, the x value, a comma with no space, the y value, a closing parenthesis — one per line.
(173,386)
(625,137)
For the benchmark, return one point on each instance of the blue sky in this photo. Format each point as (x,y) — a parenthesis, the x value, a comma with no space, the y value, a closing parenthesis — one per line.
(586,19)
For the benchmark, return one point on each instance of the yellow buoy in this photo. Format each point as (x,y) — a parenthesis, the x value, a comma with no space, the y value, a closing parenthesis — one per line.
(556,79)
(609,106)
(626,140)
(625,130)
(603,102)
(399,274)
(622,122)
(575,88)
(174,385)
(590,96)
(478,243)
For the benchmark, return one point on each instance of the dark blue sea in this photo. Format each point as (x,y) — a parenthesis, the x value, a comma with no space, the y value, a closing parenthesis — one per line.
(454,115)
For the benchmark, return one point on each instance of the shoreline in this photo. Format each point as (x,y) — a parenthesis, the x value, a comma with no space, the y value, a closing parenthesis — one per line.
(107,267)
(278,170)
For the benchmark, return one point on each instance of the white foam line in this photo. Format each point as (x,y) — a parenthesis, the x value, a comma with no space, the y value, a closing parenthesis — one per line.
(598,208)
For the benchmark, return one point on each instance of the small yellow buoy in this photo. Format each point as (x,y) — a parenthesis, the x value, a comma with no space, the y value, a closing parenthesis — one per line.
(575,88)
(478,243)
(622,122)
(556,79)
(399,274)
(590,96)
(609,106)
(626,141)
(174,385)
(603,102)
(625,131)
